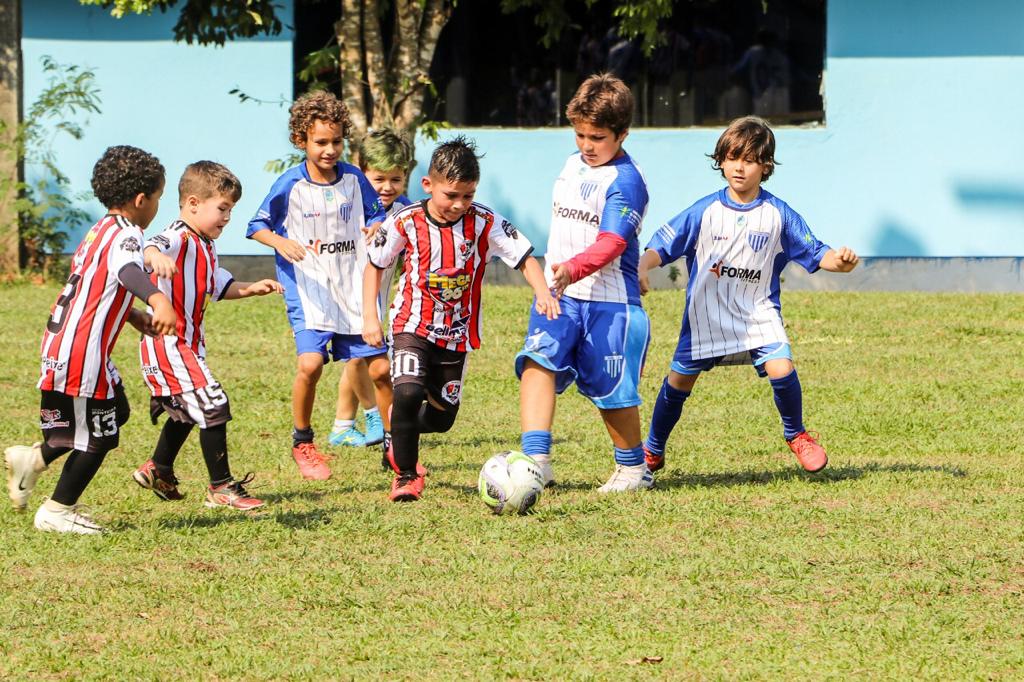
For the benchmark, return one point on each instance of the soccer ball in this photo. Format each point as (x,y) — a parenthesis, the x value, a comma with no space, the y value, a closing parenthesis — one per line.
(510,483)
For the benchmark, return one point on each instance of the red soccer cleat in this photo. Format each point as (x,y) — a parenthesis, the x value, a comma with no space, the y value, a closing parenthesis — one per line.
(406,488)
(811,456)
(232,494)
(163,486)
(654,462)
(312,463)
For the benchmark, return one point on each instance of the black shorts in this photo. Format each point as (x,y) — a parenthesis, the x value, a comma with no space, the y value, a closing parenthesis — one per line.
(439,370)
(85,424)
(204,407)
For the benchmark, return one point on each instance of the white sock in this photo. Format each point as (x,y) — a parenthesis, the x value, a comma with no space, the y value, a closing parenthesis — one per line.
(54,506)
(370,410)
(343,424)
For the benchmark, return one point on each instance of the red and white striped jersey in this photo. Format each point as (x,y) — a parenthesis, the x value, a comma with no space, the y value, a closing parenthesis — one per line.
(438,292)
(90,312)
(172,365)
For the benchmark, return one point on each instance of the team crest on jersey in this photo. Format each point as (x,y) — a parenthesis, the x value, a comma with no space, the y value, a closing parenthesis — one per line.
(757,240)
(509,229)
(741,220)
(50,419)
(161,242)
(587,188)
(131,245)
(448,284)
(346,211)
(381,238)
(452,392)
(328,195)
(466,249)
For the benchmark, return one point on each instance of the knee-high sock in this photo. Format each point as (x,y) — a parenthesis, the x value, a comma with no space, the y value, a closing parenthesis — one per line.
(668,407)
(214,442)
(79,469)
(433,420)
(172,437)
(789,400)
(405,428)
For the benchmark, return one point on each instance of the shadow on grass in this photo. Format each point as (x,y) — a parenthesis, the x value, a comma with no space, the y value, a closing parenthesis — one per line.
(290,519)
(677,479)
(288,496)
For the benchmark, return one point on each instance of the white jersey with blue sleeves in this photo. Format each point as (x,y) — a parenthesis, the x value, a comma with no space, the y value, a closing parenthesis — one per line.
(589,200)
(324,290)
(735,254)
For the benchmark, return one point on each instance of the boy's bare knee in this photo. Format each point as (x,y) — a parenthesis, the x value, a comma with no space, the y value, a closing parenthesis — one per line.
(310,365)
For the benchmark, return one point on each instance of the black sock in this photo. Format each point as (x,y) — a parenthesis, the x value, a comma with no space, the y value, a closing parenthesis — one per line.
(79,470)
(433,420)
(51,454)
(405,432)
(214,441)
(301,436)
(172,437)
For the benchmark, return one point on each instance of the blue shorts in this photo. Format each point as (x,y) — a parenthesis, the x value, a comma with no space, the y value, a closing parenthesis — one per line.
(756,356)
(340,346)
(601,346)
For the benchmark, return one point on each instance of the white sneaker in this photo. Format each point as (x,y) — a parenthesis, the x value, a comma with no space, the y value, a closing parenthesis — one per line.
(73,519)
(626,478)
(546,472)
(21,472)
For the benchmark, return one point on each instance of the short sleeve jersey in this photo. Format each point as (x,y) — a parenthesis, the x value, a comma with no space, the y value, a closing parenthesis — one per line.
(90,312)
(172,365)
(439,291)
(735,254)
(323,291)
(587,201)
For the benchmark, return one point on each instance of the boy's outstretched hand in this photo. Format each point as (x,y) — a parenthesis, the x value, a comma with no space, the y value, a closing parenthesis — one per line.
(263,287)
(839,260)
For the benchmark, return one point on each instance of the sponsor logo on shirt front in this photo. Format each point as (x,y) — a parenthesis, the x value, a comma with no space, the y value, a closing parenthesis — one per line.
(720,269)
(344,247)
(576,214)
(54,365)
(448,286)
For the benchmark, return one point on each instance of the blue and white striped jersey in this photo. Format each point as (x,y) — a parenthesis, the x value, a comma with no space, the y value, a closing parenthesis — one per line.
(323,291)
(589,200)
(734,255)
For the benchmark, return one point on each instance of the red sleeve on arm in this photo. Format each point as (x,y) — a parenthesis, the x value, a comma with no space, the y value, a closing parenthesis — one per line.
(607,248)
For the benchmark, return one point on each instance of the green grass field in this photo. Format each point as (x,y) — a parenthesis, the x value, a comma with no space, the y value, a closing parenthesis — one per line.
(904,559)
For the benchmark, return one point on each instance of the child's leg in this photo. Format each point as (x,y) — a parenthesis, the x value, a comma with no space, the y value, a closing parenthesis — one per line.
(358,373)
(79,470)
(623,425)
(348,401)
(788,395)
(172,437)
(668,408)
(377,373)
(405,433)
(310,367)
(214,442)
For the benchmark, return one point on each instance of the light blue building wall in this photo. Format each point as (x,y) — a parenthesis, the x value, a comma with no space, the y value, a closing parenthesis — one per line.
(168,98)
(920,155)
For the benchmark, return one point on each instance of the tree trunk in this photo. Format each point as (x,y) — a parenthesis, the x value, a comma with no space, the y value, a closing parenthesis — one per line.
(398,80)
(10,114)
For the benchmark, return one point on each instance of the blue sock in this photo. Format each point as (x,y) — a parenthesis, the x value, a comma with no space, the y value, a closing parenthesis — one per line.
(629,457)
(536,442)
(789,400)
(668,407)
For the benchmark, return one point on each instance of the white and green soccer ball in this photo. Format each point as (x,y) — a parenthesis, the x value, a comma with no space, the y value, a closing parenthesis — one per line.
(510,483)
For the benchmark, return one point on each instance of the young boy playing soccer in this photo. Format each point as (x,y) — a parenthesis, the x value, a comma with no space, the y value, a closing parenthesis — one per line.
(601,338)
(315,218)
(435,317)
(385,157)
(736,243)
(174,366)
(83,405)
